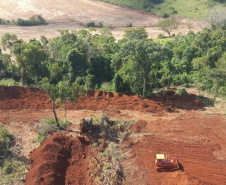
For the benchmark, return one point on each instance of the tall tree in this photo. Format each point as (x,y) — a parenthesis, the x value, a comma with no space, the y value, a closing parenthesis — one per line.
(69,92)
(168,25)
(29,58)
(137,58)
(53,92)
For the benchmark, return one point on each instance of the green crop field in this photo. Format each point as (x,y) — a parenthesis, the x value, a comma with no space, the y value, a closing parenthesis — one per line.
(185,8)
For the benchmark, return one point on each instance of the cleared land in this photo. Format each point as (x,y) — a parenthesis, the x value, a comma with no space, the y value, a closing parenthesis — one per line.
(180,126)
(71,13)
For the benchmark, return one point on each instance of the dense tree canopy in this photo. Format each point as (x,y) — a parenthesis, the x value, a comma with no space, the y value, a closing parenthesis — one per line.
(134,64)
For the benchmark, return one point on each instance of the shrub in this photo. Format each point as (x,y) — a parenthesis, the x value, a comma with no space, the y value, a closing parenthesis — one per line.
(107,86)
(161,91)
(8,167)
(13,172)
(51,122)
(40,138)
(5,140)
(47,127)
(174,12)
(206,101)
(161,36)
(106,166)
(129,25)
(8,82)
(165,15)
(91,24)
(181,91)
(100,25)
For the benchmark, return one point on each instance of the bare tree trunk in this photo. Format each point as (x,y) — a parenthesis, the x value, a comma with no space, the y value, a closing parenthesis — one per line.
(54,113)
(65,113)
(216,90)
(144,88)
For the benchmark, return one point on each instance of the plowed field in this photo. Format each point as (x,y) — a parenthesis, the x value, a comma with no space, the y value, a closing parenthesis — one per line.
(172,124)
(69,14)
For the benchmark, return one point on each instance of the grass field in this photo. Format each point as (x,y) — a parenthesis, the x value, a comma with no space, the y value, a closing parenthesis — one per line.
(185,8)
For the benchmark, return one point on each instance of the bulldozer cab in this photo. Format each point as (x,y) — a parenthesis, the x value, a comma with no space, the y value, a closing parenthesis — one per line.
(86,125)
(164,163)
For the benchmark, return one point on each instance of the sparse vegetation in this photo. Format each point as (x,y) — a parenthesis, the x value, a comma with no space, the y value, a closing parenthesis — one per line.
(12,171)
(112,132)
(129,25)
(47,127)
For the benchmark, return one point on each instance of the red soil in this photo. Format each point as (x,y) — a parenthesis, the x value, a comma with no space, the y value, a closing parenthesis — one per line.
(36,99)
(60,160)
(196,138)
(23,98)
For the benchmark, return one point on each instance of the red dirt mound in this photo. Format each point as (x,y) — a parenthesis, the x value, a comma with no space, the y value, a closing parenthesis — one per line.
(102,100)
(36,99)
(60,160)
(23,98)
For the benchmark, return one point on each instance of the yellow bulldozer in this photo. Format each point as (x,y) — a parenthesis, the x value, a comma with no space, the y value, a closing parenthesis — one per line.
(85,126)
(164,163)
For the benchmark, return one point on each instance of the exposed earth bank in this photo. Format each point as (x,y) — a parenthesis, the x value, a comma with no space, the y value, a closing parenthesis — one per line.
(32,98)
(168,123)
(60,160)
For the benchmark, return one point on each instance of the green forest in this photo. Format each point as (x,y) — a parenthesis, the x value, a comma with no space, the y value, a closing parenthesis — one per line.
(135,64)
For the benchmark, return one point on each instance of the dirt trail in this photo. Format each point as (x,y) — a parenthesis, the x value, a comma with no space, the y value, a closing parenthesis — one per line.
(60,160)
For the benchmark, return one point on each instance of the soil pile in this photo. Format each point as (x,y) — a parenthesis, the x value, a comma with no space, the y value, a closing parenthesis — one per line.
(102,100)
(60,160)
(19,98)
(36,99)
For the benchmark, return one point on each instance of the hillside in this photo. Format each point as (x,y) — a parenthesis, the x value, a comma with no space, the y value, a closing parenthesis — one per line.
(189,8)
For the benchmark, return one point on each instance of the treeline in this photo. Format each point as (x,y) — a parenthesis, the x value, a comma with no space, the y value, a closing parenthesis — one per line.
(134,64)
(32,21)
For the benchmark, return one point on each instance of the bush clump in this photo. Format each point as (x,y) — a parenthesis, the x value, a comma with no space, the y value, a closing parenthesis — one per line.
(5,140)
(13,172)
(181,91)
(32,21)
(94,25)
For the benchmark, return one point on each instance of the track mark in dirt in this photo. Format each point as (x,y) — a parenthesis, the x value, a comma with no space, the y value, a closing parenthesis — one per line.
(60,160)
(198,161)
